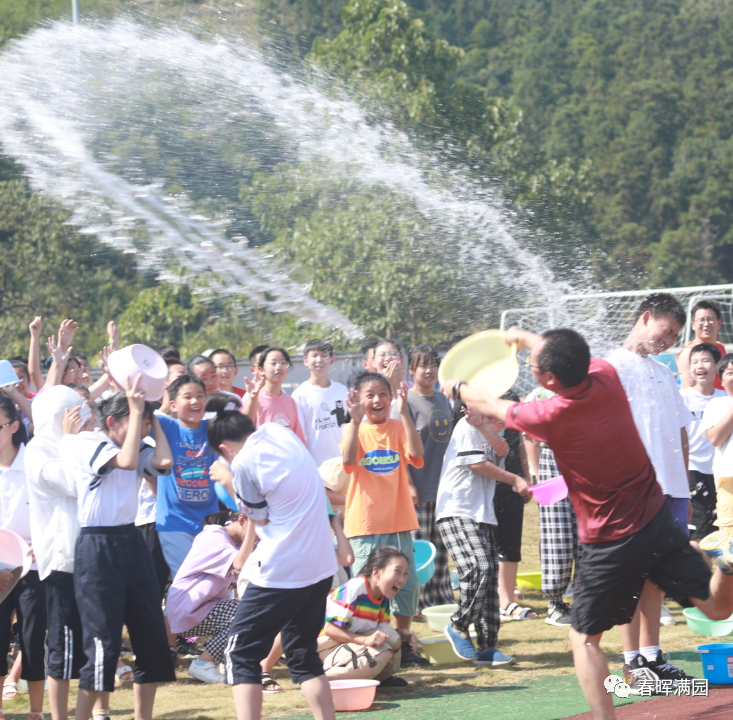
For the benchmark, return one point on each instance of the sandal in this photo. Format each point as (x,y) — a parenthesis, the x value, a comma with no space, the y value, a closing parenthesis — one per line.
(10,690)
(123,670)
(510,612)
(269,685)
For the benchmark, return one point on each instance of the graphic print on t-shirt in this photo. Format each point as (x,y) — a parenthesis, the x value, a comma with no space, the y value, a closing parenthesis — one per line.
(381,462)
(338,411)
(192,481)
(439,426)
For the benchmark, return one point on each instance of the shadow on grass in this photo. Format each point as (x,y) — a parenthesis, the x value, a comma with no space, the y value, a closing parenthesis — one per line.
(439,691)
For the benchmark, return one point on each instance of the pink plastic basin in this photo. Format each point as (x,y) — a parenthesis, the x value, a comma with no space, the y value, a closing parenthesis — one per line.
(14,551)
(350,695)
(550,491)
(129,362)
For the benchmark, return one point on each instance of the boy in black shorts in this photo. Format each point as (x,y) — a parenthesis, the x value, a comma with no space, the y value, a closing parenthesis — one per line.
(624,521)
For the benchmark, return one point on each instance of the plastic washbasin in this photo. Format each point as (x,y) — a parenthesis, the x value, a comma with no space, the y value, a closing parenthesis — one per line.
(550,491)
(439,651)
(439,616)
(698,622)
(530,580)
(424,560)
(350,695)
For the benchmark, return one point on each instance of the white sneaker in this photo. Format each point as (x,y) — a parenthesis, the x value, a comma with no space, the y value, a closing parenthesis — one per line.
(666,618)
(205,671)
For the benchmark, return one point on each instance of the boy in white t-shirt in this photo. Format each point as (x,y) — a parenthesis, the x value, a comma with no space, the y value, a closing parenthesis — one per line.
(321,403)
(660,417)
(703,360)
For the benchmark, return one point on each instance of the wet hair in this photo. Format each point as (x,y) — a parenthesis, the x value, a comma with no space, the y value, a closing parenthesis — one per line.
(565,354)
(197,360)
(7,406)
(367,377)
(706,305)
(662,305)
(708,348)
(19,365)
(169,351)
(218,400)
(380,557)
(318,345)
(175,387)
(254,356)
(80,386)
(273,348)
(228,425)
(422,355)
(369,346)
(117,408)
(222,351)
(221,517)
(723,364)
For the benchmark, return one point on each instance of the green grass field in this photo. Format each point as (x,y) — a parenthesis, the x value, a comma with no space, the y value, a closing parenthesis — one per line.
(541,682)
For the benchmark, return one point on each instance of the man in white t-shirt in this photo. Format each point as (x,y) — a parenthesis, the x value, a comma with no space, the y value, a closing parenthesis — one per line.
(321,403)
(660,416)
(702,361)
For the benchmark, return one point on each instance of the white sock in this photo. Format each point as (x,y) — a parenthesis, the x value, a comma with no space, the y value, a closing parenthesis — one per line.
(629,656)
(199,661)
(650,653)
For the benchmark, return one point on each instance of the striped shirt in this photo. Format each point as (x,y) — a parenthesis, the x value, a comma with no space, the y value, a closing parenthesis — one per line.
(352,607)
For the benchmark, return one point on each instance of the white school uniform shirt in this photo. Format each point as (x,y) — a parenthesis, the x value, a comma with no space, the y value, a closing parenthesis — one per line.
(462,492)
(701,449)
(51,492)
(14,510)
(659,414)
(716,410)
(276,478)
(322,412)
(107,496)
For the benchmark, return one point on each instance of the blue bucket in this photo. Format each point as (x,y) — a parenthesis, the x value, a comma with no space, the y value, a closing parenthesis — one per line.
(424,560)
(223,494)
(717,663)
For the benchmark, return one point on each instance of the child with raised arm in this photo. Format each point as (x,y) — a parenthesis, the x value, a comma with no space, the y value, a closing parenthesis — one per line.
(703,362)
(114,578)
(380,504)
(466,520)
(265,400)
(321,403)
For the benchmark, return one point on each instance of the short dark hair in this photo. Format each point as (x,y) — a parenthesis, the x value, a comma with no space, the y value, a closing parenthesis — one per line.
(566,355)
(254,356)
(723,364)
(379,558)
(320,345)
(662,305)
(18,365)
(175,387)
(79,354)
(227,426)
(223,351)
(706,305)
(117,407)
(197,360)
(171,361)
(219,400)
(169,351)
(371,345)
(708,348)
(221,517)
(422,355)
(273,348)
(7,406)
(367,377)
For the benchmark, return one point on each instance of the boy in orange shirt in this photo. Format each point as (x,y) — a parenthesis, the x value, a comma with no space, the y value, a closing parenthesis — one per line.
(380,504)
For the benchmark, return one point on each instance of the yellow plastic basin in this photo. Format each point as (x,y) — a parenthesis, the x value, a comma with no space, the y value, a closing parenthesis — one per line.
(530,580)
(439,616)
(438,650)
(482,360)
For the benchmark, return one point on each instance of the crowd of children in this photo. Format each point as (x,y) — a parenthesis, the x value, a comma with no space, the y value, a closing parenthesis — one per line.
(116,497)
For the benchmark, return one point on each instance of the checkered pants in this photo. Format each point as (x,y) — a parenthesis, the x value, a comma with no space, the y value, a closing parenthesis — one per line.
(558,536)
(216,624)
(438,590)
(473,549)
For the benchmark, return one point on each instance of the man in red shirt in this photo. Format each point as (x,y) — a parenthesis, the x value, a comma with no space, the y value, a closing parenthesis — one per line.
(624,521)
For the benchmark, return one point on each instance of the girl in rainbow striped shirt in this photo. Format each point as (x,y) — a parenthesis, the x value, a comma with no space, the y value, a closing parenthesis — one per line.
(357,640)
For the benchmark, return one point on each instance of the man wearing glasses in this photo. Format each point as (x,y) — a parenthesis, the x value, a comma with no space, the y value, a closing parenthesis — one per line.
(706,322)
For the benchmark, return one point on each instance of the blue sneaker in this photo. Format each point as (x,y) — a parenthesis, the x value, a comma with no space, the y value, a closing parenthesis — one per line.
(460,642)
(493,658)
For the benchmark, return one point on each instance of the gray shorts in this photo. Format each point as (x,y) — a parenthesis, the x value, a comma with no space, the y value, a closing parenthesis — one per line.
(406,600)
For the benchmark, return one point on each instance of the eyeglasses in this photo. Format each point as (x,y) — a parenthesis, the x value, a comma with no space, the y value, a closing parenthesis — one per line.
(225,367)
(529,364)
(706,321)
